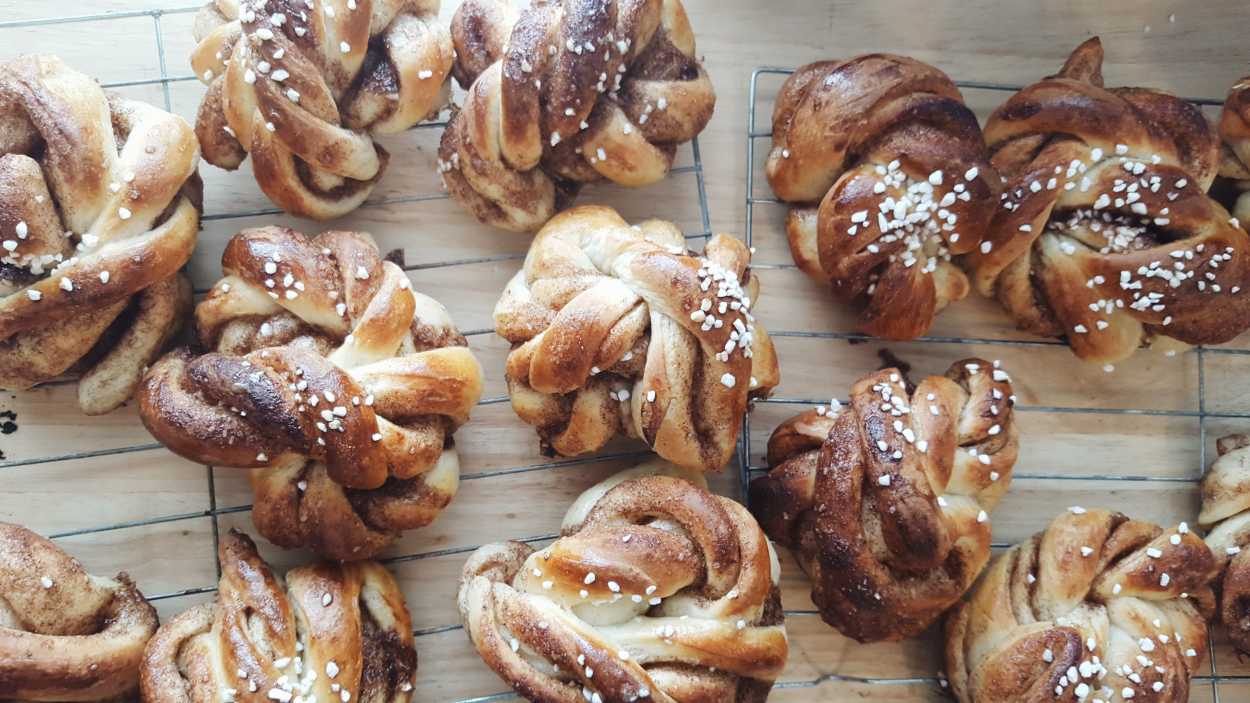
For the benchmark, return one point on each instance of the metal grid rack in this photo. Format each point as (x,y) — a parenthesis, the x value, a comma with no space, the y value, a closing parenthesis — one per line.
(754,133)
(215,511)
(746,469)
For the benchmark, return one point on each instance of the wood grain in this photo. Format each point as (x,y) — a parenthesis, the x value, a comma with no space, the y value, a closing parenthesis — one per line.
(1134,439)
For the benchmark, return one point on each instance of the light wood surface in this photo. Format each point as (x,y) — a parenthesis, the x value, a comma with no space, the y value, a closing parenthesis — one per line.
(1133,440)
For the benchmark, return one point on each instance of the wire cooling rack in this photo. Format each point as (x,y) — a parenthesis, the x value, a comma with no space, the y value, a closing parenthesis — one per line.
(759,112)
(215,511)
(167,80)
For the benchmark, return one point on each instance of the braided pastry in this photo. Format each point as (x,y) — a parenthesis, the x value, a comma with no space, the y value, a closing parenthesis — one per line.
(657,590)
(333,378)
(1226,513)
(567,93)
(99,209)
(303,86)
(1097,607)
(886,502)
(1235,152)
(1106,233)
(889,179)
(619,329)
(327,632)
(66,635)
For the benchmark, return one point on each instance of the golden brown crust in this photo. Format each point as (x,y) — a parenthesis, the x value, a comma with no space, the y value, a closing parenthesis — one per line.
(588,90)
(303,85)
(328,632)
(656,590)
(66,635)
(1097,606)
(619,329)
(1226,514)
(1234,127)
(333,378)
(1107,235)
(99,208)
(886,502)
(889,178)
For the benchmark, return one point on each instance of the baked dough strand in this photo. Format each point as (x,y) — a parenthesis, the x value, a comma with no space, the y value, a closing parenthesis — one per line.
(66,635)
(1106,234)
(1226,514)
(1095,607)
(333,378)
(621,330)
(303,87)
(886,501)
(567,93)
(99,209)
(328,632)
(888,180)
(657,590)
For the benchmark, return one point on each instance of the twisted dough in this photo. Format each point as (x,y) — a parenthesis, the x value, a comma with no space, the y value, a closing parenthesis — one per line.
(889,178)
(886,501)
(1234,129)
(657,590)
(1226,514)
(1106,234)
(619,329)
(65,635)
(1097,607)
(99,207)
(304,85)
(327,632)
(567,93)
(331,376)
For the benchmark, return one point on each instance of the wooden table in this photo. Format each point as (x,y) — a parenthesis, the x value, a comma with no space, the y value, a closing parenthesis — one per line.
(1132,440)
